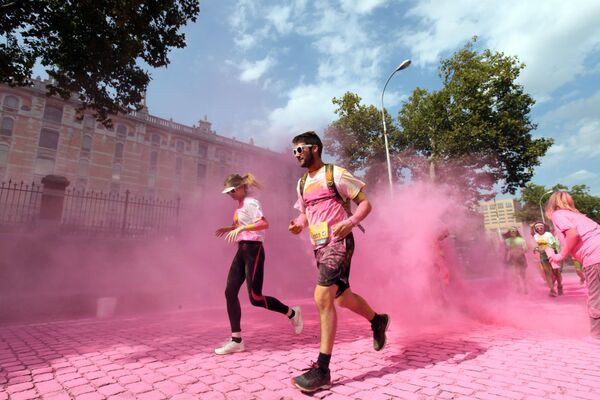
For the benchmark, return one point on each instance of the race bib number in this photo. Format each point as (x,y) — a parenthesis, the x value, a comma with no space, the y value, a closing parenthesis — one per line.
(319,233)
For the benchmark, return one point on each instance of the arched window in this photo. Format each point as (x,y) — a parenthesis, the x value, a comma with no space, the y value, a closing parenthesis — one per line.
(53,113)
(86,143)
(202,150)
(11,103)
(48,139)
(180,146)
(6,128)
(119,151)
(121,131)
(156,139)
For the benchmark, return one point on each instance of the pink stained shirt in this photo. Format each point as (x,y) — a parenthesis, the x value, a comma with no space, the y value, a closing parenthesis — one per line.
(587,249)
(319,202)
(249,212)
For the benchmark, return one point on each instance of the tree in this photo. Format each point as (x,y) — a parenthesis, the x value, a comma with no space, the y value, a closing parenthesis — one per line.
(92,48)
(355,138)
(531,194)
(478,123)
(475,132)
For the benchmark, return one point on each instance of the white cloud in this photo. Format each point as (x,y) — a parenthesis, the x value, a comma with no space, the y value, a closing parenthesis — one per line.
(279,17)
(553,38)
(252,71)
(579,176)
(586,141)
(361,6)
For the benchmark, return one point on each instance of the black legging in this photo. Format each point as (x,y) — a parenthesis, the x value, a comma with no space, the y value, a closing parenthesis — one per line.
(248,264)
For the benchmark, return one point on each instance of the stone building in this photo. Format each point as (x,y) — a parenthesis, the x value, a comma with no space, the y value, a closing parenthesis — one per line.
(147,155)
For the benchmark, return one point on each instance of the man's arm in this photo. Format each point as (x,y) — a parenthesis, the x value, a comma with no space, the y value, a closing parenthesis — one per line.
(364,208)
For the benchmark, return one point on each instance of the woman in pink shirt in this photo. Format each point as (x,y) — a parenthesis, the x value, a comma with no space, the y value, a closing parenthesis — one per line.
(248,231)
(581,239)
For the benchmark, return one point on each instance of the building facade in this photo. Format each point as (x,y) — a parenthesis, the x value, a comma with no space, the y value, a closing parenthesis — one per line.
(498,214)
(147,155)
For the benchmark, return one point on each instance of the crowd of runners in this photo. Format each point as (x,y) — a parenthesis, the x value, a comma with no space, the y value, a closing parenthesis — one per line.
(325,192)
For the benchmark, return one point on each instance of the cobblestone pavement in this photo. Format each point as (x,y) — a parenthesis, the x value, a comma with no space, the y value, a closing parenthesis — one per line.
(170,356)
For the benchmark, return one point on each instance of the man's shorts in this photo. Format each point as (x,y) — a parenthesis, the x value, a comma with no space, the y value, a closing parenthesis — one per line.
(333,263)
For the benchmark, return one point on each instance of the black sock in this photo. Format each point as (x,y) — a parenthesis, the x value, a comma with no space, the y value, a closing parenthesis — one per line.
(375,319)
(292,314)
(323,360)
(236,339)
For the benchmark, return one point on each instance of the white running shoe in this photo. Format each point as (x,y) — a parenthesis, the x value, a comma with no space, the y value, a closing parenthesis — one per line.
(297,322)
(230,347)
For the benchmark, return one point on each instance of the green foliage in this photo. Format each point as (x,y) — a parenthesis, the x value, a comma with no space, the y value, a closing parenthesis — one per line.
(92,48)
(474,132)
(479,121)
(355,138)
(531,195)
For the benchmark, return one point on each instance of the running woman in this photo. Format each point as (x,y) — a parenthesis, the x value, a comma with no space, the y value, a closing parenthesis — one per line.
(322,193)
(515,258)
(248,230)
(581,239)
(544,239)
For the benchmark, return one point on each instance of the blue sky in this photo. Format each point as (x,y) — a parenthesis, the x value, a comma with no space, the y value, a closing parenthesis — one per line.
(269,69)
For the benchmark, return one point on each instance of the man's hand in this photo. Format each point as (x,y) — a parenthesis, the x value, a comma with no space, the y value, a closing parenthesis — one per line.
(232,235)
(221,231)
(293,228)
(341,229)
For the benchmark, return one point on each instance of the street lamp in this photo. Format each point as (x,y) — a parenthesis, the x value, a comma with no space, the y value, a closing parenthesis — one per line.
(540,203)
(400,67)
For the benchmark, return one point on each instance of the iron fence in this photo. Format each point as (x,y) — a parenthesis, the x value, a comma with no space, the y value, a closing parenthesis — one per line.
(90,213)
(19,203)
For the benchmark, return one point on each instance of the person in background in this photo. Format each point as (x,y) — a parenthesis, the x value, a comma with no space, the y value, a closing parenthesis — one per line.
(580,236)
(551,271)
(515,258)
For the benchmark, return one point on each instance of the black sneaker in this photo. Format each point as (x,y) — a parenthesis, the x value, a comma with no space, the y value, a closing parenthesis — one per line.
(313,379)
(379,327)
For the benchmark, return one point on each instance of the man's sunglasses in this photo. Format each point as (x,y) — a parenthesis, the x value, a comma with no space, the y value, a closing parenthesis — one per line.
(300,149)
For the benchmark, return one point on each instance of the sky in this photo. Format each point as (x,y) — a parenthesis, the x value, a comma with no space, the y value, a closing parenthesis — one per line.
(268,70)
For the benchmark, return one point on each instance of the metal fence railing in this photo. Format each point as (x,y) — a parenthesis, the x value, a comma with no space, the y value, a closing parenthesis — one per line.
(89,212)
(19,203)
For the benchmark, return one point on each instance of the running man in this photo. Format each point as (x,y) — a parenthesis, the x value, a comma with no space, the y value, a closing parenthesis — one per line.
(248,230)
(322,192)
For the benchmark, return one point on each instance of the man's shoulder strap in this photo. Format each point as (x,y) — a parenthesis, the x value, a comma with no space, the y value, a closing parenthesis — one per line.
(302,183)
(328,179)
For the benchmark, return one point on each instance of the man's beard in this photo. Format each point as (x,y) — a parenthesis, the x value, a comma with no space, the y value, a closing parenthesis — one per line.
(308,160)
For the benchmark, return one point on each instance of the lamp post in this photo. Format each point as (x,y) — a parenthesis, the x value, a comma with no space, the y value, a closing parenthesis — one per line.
(540,203)
(400,67)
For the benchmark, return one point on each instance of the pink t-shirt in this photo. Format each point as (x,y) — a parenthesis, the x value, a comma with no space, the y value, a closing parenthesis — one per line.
(320,205)
(587,250)
(248,213)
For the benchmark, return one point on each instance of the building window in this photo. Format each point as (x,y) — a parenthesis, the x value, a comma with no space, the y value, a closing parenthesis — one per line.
(121,131)
(53,114)
(6,128)
(178,165)
(86,143)
(49,139)
(153,160)
(116,173)
(11,103)
(84,168)
(203,150)
(201,173)
(89,122)
(43,166)
(156,140)
(119,151)
(151,180)
(179,146)
(3,155)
